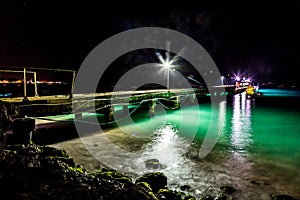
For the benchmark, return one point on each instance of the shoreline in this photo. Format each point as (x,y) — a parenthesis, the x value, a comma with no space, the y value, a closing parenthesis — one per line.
(30,172)
(253,184)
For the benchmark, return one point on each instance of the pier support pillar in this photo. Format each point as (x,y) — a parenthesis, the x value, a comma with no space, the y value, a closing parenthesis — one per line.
(78,116)
(193,98)
(175,102)
(125,110)
(109,115)
(152,105)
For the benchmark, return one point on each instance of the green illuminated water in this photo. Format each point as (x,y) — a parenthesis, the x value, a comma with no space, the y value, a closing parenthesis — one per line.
(257,152)
(251,126)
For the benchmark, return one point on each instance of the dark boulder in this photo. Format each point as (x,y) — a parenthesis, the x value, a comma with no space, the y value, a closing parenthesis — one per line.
(222,197)
(189,197)
(167,194)
(228,189)
(186,188)
(153,164)
(207,197)
(7,113)
(32,172)
(156,180)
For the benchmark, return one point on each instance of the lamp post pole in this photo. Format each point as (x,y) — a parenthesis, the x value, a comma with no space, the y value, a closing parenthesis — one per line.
(25,82)
(173,76)
(168,78)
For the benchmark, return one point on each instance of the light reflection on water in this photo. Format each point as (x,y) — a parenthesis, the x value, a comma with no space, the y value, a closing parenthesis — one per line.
(229,163)
(168,148)
(183,166)
(241,123)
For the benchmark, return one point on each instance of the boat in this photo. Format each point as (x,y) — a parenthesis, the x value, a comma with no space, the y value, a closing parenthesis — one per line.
(251,91)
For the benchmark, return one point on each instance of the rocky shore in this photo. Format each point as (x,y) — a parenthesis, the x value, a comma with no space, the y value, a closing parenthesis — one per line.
(38,171)
(30,172)
(42,172)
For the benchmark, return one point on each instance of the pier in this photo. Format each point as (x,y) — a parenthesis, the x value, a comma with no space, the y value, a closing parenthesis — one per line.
(104,102)
(36,105)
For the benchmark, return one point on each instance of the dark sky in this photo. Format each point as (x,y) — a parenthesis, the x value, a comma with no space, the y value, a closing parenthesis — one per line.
(258,37)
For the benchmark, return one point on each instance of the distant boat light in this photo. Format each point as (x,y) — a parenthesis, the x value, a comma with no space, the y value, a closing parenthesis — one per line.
(237,78)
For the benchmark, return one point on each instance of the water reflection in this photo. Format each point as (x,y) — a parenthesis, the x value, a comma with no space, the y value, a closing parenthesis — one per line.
(168,147)
(241,123)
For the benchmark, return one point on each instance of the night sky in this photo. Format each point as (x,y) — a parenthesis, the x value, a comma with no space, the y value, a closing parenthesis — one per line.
(256,37)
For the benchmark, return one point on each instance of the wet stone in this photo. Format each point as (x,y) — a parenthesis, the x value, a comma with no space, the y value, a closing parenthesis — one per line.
(168,194)
(156,180)
(36,172)
(221,197)
(153,164)
(207,197)
(187,188)
(189,197)
(256,182)
(228,189)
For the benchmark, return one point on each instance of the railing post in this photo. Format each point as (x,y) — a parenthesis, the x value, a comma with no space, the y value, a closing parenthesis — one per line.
(25,99)
(25,82)
(73,82)
(35,85)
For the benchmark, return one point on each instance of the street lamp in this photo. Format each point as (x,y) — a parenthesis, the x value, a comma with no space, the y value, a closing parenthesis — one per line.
(167,64)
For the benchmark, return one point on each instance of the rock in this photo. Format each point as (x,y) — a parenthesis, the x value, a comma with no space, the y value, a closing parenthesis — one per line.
(32,172)
(228,189)
(207,197)
(153,164)
(189,197)
(145,186)
(185,187)
(257,182)
(111,174)
(282,197)
(7,113)
(167,194)
(221,197)
(156,180)
(51,151)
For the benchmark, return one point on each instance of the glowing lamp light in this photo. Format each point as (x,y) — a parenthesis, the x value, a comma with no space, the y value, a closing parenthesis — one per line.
(237,78)
(167,64)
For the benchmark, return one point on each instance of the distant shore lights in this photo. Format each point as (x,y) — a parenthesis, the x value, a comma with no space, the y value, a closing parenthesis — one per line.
(242,81)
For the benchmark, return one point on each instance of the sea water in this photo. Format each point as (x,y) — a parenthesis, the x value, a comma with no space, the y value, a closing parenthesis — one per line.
(257,151)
